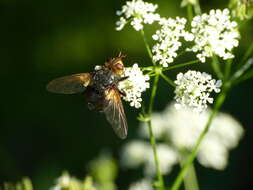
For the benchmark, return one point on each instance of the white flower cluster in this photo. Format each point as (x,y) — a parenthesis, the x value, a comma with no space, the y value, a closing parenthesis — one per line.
(181,129)
(134,85)
(165,50)
(214,34)
(193,90)
(144,184)
(138,13)
(65,181)
(136,153)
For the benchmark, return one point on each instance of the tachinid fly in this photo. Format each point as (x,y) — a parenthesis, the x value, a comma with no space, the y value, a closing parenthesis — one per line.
(101,91)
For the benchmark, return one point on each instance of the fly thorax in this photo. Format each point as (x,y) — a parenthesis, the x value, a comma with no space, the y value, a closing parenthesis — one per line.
(103,79)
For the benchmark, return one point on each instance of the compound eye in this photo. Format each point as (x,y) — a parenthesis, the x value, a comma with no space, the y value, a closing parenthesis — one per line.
(119,65)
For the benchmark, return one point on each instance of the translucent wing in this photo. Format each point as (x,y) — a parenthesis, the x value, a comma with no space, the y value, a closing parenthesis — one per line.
(70,84)
(115,114)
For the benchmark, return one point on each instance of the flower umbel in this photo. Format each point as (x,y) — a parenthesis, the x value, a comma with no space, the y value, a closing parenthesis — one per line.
(138,13)
(193,90)
(65,181)
(136,153)
(182,134)
(141,185)
(165,50)
(214,34)
(134,85)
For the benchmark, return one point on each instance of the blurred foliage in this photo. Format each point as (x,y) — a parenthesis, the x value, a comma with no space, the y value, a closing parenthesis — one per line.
(24,184)
(104,171)
(67,182)
(242,9)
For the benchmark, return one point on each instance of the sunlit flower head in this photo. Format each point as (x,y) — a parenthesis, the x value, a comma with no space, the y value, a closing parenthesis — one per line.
(137,153)
(225,133)
(134,153)
(159,129)
(66,182)
(181,129)
(167,156)
(168,40)
(188,2)
(134,85)
(214,34)
(193,90)
(144,184)
(137,12)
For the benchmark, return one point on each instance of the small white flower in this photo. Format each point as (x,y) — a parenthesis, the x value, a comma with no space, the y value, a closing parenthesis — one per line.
(226,124)
(121,23)
(167,159)
(193,90)
(134,153)
(98,67)
(168,40)
(134,85)
(214,34)
(188,2)
(159,129)
(144,184)
(138,12)
(212,153)
(66,182)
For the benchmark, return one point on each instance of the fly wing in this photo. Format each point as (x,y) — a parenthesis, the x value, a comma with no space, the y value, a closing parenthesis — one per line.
(70,84)
(115,114)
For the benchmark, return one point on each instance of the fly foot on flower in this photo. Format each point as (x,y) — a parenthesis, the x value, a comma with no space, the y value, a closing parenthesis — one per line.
(135,83)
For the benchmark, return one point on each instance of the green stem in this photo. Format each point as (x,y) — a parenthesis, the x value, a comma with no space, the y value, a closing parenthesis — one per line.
(248,53)
(244,77)
(160,184)
(218,103)
(157,70)
(240,74)
(197,8)
(189,12)
(191,182)
(190,179)
(227,69)
(216,67)
(181,65)
(147,46)
(167,79)
(151,135)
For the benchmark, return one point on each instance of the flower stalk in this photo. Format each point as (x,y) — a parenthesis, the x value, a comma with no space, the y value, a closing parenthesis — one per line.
(157,70)
(147,46)
(216,67)
(168,80)
(151,135)
(189,12)
(181,65)
(190,180)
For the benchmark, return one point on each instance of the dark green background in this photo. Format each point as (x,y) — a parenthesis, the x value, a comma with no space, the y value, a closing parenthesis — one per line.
(42,134)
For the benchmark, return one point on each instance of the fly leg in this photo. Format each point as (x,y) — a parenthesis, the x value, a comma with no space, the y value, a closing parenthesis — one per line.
(123,93)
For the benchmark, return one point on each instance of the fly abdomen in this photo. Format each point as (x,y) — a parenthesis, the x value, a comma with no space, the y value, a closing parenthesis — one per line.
(95,99)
